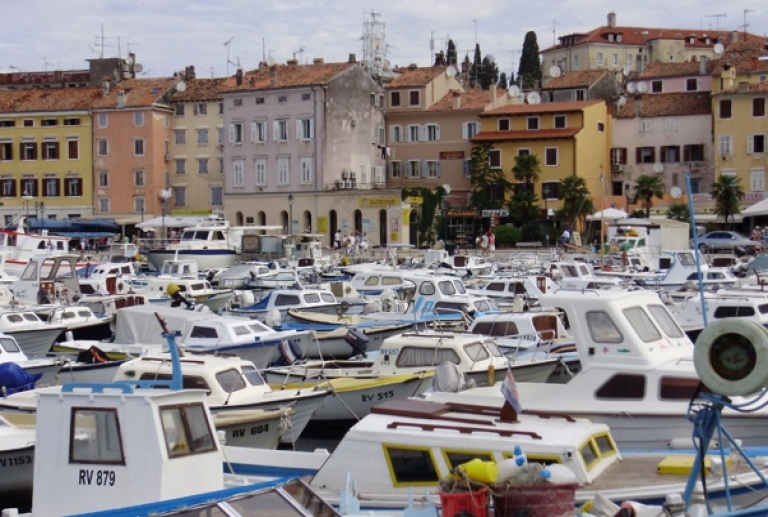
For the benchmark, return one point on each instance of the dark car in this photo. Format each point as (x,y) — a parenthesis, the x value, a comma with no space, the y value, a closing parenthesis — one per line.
(728,242)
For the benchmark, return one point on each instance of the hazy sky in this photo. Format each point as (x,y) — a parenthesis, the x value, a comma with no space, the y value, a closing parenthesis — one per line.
(168,35)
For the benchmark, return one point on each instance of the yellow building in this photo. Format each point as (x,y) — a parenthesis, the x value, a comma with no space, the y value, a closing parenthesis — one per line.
(46,157)
(569,138)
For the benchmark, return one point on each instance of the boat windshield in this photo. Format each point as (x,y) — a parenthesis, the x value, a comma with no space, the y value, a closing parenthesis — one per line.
(9,345)
(252,375)
(459,285)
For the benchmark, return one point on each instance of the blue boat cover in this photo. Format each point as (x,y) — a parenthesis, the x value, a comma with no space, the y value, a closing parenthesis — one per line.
(14,378)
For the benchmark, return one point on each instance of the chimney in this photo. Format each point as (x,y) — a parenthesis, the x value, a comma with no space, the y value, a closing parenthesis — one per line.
(239,77)
(703,65)
(413,66)
(273,75)
(120,99)
(318,61)
(263,65)
(456,99)
(727,76)
(734,37)
(493,96)
(612,19)
(190,73)
(104,87)
(292,62)
(352,59)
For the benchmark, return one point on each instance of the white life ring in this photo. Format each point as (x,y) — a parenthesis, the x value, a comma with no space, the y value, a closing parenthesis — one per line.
(743,344)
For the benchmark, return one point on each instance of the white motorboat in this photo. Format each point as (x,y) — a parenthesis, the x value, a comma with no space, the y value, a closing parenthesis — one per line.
(34,336)
(17,459)
(578,275)
(506,290)
(46,368)
(637,373)
(18,247)
(183,275)
(108,278)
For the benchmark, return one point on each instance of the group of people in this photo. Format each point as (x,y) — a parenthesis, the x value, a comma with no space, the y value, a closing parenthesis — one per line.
(758,234)
(351,243)
(486,242)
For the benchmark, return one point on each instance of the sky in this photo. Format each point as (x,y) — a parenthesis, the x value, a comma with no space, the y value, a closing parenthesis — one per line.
(168,35)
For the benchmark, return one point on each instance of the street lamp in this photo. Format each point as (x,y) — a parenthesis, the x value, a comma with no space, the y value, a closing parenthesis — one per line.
(165,195)
(40,206)
(545,190)
(290,213)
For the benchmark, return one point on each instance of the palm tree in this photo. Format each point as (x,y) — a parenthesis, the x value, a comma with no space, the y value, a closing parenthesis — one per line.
(522,206)
(727,192)
(679,212)
(489,185)
(576,200)
(646,188)
(527,168)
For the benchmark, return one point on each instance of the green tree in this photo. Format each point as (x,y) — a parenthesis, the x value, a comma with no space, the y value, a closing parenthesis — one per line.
(427,210)
(527,168)
(523,205)
(727,192)
(529,70)
(679,212)
(489,185)
(646,188)
(451,57)
(489,73)
(477,67)
(577,202)
(503,81)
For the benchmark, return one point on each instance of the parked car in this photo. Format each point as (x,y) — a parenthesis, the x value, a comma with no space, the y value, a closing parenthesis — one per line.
(728,242)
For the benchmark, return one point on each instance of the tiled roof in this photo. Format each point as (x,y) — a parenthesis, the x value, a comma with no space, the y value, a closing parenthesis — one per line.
(471,100)
(581,78)
(287,76)
(201,89)
(138,93)
(761,87)
(685,68)
(44,99)
(410,78)
(546,107)
(641,35)
(507,136)
(744,56)
(666,105)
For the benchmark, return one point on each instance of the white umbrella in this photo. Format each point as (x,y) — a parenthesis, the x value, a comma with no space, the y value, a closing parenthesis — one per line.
(610,214)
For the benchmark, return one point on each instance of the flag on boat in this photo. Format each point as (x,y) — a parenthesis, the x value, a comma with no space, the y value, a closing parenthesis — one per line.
(509,389)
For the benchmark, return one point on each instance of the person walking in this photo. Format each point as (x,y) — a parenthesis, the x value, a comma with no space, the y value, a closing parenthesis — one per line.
(337,240)
(484,243)
(565,238)
(491,241)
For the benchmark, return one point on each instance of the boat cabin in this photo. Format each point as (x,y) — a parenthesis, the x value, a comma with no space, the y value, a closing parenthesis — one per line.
(46,279)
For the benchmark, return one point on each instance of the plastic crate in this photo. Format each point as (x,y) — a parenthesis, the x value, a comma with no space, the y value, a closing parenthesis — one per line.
(535,500)
(472,503)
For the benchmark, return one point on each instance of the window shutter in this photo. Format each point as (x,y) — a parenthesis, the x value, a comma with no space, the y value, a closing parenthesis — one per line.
(231,133)
(465,130)
(276,130)
(686,153)
(424,133)
(465,169)
(437,132)
(253,132)
(653,154)
(392,135)
(424,166)
(311,128)
(638,155)
(750,144)
(408,169)
(407,133)
(439,169)
(299,135)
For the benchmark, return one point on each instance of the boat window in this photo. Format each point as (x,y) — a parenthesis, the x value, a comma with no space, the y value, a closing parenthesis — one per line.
(372,280)
(30,273)
(598,446)
(459,285)
(391,280)
(230,380)
(665,320)
(493,349)
(327,297)
(517,288)
(447,287)
(186,430)
(94,437)
(242,330)
(588,454)
(568,270)
(67,315)
(199,331)
(411,466)
(583,269)
(642,324)
(495,328)
(605,444)
(602,329)
(218,236)
(455,458)
(312,298)
(427,288)
(622,386)
(495,286)
(31,317)
(675,388)
(492,305)
(735,311)
(252,375)
(476,352)
(286,299)
(459,261)
(412,357)
(763,308)
(547,324)
(84,313)
(686,259)
(448,308)
(258,327)
(197,287)
(482,306)
(14,318)
(188,382)
(9,344)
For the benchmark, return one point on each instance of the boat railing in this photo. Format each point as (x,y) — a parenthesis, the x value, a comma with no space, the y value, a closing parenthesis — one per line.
(464,429)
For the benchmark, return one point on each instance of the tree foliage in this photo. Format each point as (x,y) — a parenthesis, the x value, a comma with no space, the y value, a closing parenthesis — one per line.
(524,204)
(477,67)
(727,192)
(527,168)
(451,57)
(489,186)
(529,70)
(489,73)
(678,212)
(577,202)
(648,187)
(503,81)
(427,210)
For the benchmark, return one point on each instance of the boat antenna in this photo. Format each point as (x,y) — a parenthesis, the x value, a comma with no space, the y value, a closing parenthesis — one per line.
(696,251)
(176,376)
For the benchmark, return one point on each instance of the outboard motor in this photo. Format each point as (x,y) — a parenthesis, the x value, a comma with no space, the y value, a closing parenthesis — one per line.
(358,340)
(290,352)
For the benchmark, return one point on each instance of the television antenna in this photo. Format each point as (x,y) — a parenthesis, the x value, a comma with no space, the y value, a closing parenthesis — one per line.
(46,63)
(717,19)
(227,44)
(299,52)
(744,27)
(100,43)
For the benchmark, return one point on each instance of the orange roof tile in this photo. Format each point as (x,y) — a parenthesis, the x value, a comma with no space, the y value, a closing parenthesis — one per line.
(201,89)
(417,77)
(471,100)
(139,93)
(286,76)
(44,99)
(686,68)
(546,107)
(666,105)
(507,136)
(744,56)
(761,87)
(575,79)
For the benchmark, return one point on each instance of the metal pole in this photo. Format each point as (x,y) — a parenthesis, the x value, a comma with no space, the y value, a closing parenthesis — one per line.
(696,251)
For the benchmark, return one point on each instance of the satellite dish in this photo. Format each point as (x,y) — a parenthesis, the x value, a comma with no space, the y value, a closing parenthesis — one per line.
(451,71)
(675,192)
(554,71)
(642,87)
(447,188)
(376,44)
(658,167)
(622,100)
(626,69)
(138,68)
(128,60)
(181,86)
(718,48)
(270,61)
(533,98)
(631,87)
(514,90)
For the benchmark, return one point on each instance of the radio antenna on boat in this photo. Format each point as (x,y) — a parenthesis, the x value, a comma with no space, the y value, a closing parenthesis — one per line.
(176,376)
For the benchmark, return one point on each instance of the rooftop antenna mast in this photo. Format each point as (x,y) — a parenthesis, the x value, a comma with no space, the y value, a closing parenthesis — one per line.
(475,22)
(226,44)
(100,43)
(374,43)
(299,52)
(717,19)
(45,63)
(554,36)
(744,27)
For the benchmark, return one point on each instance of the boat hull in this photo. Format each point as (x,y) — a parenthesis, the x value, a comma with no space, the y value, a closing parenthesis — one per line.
(36,342)
(205,258)
(252,429)
(16,468)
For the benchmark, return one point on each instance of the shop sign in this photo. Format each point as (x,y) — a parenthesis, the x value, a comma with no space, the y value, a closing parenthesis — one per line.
(379,201)
(451,155)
